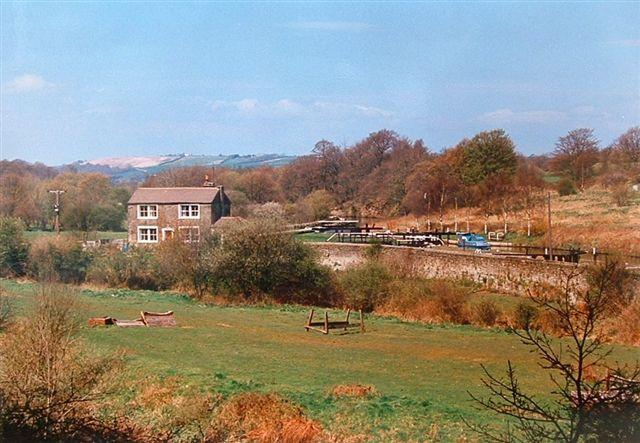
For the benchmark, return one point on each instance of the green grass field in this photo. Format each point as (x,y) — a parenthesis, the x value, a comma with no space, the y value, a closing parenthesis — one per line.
(313,236)
(421,373)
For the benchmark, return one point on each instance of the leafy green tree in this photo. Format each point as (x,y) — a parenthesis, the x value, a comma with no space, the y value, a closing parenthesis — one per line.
(488,153)
(316,206)
(14,249)
(90,202)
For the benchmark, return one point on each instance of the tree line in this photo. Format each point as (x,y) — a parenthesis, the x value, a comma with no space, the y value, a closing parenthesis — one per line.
(384,174)
(90,202)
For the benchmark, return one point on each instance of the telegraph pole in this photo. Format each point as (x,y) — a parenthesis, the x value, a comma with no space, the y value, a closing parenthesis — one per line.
(427,197)
(56,208)
(455,228)
(549,238)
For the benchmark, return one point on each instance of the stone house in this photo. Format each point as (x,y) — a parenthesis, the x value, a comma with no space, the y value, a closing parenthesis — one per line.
(158,214)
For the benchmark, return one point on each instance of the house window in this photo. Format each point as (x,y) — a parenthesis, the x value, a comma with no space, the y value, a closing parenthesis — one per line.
(189,234)
(147,211)
(189,211)
(147,234)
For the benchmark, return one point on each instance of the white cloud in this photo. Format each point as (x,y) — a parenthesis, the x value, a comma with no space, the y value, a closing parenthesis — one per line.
(247,105)
(371,111)
(250,106)
(340,26)
(505,116)
(28,83)
(627,42)
(289,106)
(346,110)
(103,110)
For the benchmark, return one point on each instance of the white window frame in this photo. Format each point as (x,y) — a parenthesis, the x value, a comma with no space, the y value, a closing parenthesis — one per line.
(147,217)
(190,211)
(140,240)
(182,229)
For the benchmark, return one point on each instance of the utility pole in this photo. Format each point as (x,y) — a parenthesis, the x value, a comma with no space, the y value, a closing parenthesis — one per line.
(56,208)
(549,238)
(455,223)
(427,197)
(467,217)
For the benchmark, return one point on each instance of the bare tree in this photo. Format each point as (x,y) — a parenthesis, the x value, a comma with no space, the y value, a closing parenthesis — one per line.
(592,401)
(626,148)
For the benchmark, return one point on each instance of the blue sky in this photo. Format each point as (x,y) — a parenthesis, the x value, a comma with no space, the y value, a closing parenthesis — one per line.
(82,80)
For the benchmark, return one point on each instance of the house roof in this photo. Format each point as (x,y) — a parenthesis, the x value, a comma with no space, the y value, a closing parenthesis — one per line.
(174,195)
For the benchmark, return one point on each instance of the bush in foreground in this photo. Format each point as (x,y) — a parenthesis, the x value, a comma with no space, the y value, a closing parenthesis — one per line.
(6,310)
(262,418)
(49,382)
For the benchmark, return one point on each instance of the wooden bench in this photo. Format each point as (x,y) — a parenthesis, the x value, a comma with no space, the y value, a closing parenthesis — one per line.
(326,325)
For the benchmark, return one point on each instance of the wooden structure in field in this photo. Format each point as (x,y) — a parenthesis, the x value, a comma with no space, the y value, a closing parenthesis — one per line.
(146,319)
(101,321)
(158,319)
(326,325)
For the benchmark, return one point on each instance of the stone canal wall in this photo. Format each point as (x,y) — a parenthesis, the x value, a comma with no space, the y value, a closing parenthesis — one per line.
(506,274)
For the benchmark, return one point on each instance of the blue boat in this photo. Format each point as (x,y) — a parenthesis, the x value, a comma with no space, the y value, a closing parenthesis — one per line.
(473,241)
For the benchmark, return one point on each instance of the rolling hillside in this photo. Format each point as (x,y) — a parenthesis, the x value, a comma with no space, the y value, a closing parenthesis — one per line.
(137,168)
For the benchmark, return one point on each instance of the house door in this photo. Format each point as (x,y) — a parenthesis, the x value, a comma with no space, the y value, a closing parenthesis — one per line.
(167,234)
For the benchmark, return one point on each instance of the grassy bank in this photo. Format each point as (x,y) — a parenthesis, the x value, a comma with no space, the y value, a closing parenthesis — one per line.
(421,373)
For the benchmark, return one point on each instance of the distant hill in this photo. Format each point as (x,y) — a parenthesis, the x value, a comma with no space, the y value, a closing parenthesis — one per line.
(138,168)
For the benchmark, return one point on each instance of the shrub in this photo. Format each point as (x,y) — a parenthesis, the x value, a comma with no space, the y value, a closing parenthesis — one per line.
(486,313)
(59,259)
(187,266)
(169,409)
(626,326)
(135,269)
(524,315)
(354,391)
(408,299)
(621,194)
(6,310)
(14,249)
(108,267)
(550,323)
(565,186)
(373,251)
(262,418)
(48,380)
(366,286)
(450,303)
(258,258)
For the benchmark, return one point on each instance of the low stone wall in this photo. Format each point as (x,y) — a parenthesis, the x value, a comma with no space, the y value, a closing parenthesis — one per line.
(506,274)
